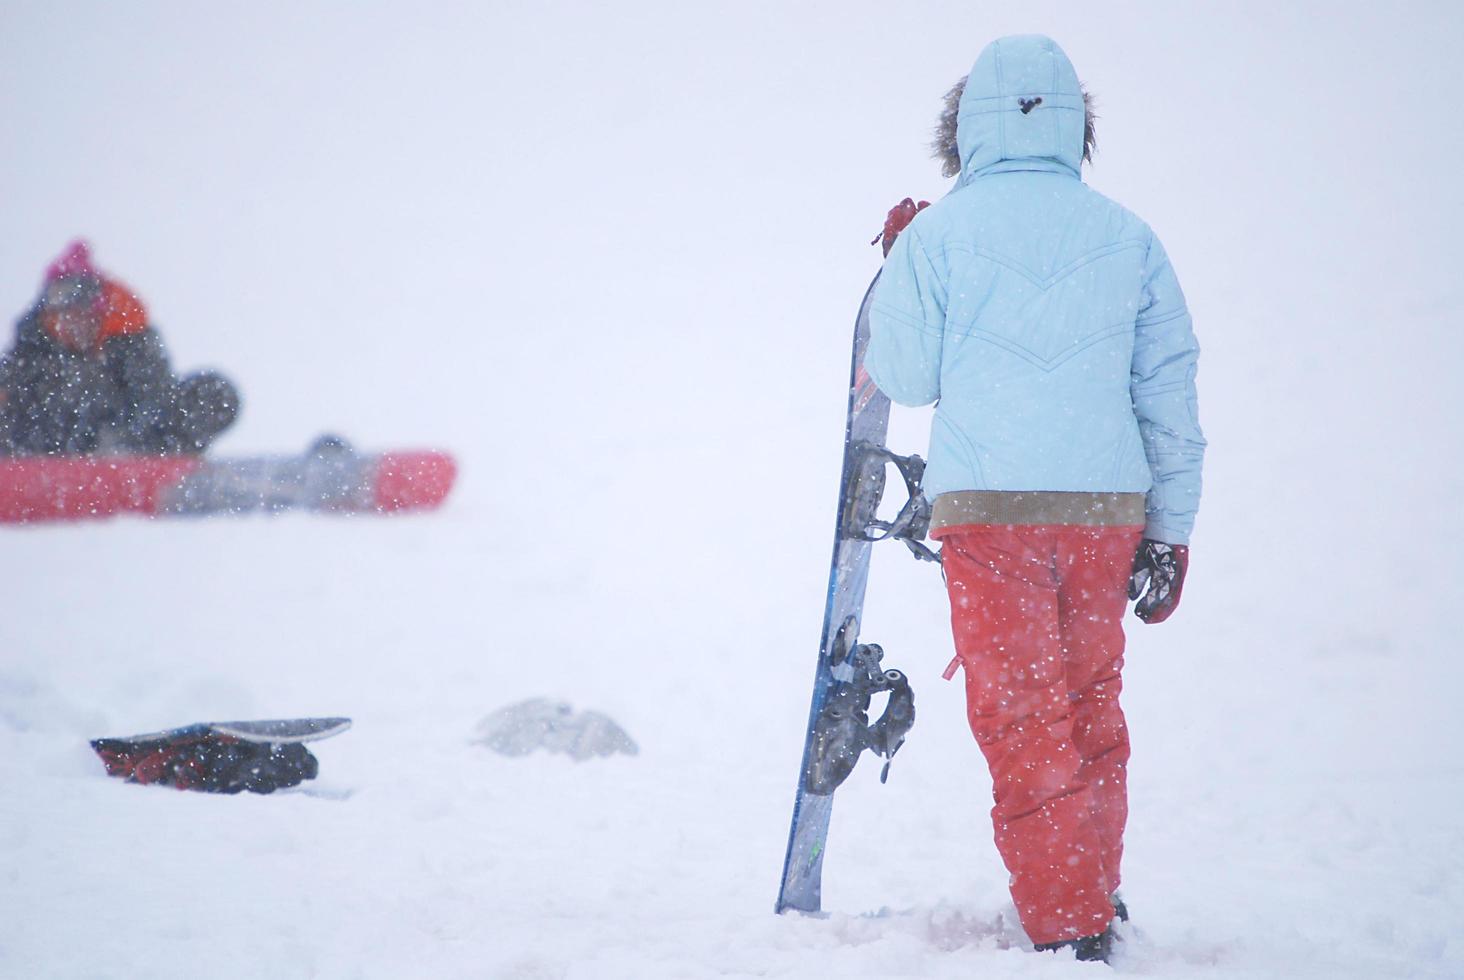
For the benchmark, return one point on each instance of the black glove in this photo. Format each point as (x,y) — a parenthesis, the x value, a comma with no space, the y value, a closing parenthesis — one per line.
(1159,568)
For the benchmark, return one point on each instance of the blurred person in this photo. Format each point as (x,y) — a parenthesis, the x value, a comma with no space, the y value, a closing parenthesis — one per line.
(88,373)
(1047,326)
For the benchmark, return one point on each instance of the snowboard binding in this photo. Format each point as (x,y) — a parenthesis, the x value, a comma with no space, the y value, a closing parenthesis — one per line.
(842,731)
(867,485)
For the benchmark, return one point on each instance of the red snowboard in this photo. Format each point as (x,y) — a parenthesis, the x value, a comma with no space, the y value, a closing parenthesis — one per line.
(331,477)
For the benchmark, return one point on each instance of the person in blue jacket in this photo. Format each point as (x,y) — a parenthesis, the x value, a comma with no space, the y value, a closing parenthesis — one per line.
(1047,326)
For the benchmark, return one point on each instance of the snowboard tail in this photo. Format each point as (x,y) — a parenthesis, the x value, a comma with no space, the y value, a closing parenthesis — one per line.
(281,730)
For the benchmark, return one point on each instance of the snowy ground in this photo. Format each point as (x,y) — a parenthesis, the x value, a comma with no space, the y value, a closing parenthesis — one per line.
(610,257)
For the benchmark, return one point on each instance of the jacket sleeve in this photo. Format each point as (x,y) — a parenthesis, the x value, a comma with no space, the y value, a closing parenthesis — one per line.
(29,362)
(7,372)
(907,324)
(1162,384)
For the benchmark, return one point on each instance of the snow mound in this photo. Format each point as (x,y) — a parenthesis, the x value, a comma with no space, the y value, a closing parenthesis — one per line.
(541,723)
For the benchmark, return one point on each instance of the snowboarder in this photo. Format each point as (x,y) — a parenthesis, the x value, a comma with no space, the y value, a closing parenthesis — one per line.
(88,374)
(1046,324)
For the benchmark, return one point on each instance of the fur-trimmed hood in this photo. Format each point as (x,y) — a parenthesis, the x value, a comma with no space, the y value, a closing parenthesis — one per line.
(1025,81)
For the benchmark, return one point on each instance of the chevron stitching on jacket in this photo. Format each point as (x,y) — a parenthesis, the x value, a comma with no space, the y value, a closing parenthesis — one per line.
(1051,364)
(1047,282)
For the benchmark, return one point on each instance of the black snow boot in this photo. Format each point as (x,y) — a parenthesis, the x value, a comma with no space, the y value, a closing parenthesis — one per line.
(1088,949)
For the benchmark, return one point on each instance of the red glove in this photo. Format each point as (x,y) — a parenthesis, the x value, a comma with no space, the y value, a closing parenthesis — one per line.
(1158,579)
(900,215)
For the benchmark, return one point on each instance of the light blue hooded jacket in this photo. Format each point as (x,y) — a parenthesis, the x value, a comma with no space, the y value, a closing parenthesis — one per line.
(1043,319)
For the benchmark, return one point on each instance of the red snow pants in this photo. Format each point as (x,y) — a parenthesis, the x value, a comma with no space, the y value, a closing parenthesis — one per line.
(1037,615)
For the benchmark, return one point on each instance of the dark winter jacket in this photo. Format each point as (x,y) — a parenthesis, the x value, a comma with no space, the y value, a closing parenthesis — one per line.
(57,400)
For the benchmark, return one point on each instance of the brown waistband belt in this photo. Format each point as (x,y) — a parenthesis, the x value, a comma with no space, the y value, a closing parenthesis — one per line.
(1036,507)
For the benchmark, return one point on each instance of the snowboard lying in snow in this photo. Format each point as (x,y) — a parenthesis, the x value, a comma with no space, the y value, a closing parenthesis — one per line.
(221,756)
(330,476)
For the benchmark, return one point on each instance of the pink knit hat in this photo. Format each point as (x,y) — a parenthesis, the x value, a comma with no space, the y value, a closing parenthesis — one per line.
(74,261)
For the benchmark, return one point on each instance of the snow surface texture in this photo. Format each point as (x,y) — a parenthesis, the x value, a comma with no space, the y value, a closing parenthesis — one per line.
(611,256)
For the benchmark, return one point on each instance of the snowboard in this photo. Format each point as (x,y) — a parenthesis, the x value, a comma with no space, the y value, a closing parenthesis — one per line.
(221,756)
(848,673)
(330,476)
